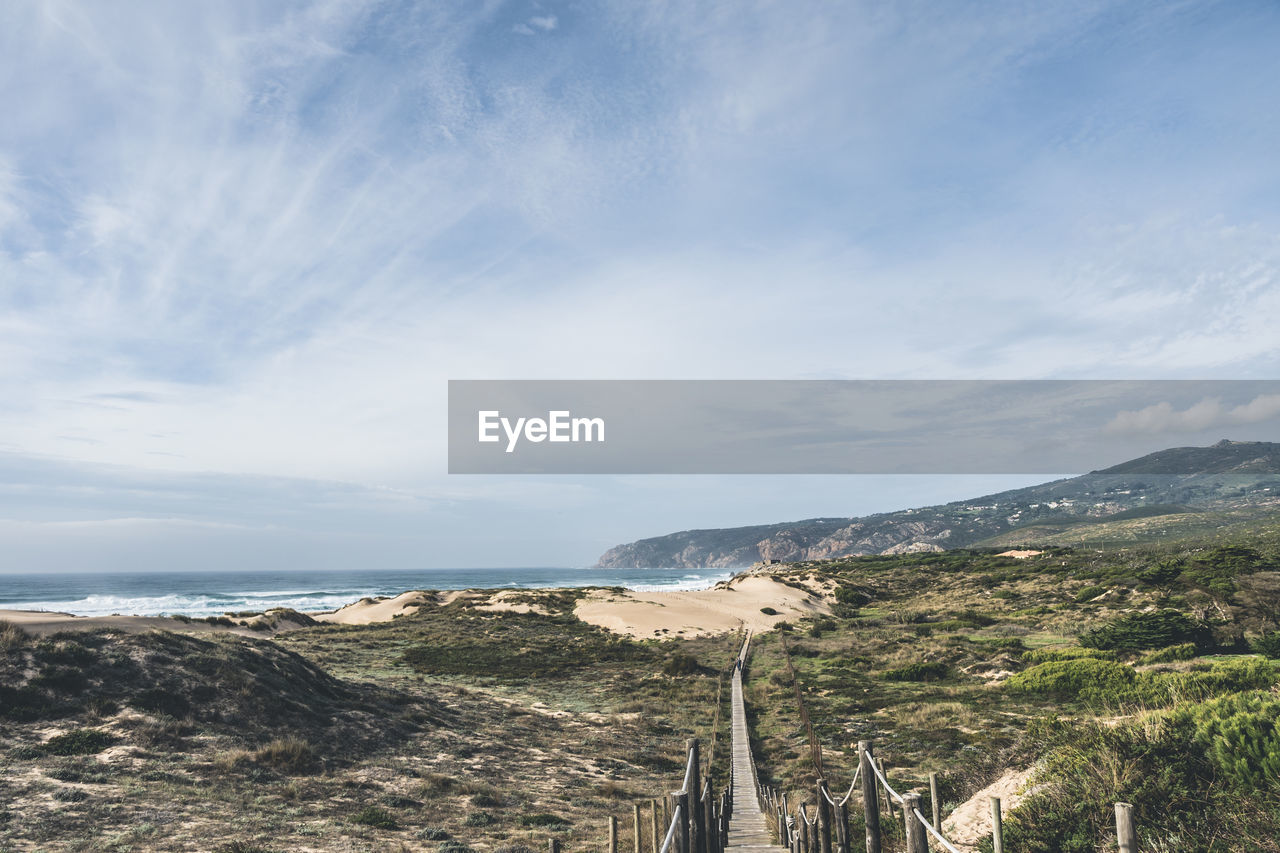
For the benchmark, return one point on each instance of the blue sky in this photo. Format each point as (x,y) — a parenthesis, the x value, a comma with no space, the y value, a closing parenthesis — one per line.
(244,245)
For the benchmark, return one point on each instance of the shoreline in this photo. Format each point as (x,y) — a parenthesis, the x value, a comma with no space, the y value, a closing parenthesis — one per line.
(725,605)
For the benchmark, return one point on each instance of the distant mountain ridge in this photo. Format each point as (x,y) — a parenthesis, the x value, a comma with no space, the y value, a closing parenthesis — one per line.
(1225,475)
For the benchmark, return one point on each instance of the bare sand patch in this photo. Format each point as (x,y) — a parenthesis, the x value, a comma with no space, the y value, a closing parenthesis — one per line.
(971,821)
(369,610)
(726,607)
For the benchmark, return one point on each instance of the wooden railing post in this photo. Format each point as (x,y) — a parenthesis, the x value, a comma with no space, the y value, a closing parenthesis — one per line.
(934,803)
(711,838)
(681,807)
(553,845)
(657,839)
(697,843)
(824,818)
(917,841)
(888,803)
(613,834)
(1126,835)
(870,795)
(842,828)
(997,827)
(635,814)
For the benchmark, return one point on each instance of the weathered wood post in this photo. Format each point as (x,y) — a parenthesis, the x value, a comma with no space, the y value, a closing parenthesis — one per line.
(888,803)
(917,841)
(842,828)
(1126,835)
(613,834)
(804,830)
(709,832)
(997,827)
(870,796)
(824,818)
(697,838)
(681,810)
(656,819)
(635,814)
(935,803)
(553,845)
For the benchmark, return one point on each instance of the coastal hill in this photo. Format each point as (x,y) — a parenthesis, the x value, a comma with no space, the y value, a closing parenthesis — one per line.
(1179,491)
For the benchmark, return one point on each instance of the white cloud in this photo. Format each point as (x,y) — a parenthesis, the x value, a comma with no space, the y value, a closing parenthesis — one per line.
(1205,414)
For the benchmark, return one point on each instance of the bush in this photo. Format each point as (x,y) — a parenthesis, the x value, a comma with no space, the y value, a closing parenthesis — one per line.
(681,664)
(1068,653)
(1182,651)
(918,671)
(1148,631)
(11,636)
(79,742)
(1268,645)
(1089,593)
(1240,737)
(768,611)
(1069,677)
(852,596)
(291,755)
(480,819)
(433,833)
(375,817)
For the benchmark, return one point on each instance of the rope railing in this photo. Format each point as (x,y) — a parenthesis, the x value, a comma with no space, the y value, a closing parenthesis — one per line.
(894,795)
(938,835)
(671,831)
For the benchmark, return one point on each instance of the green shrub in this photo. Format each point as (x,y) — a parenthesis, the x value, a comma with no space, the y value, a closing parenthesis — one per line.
(1069,677)
(1240,736)
(681,664)
(480,819)
(79,742)
(852,596)
(375,817)
(1182,651)
(918,671)
(768,611)
(1148,631)
(1267,645)
(1064,653)
(1089,593)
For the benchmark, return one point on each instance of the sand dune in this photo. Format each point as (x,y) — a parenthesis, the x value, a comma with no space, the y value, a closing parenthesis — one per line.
(726,607)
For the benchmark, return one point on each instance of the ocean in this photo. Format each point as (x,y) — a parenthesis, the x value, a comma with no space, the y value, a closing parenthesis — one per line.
(212,593)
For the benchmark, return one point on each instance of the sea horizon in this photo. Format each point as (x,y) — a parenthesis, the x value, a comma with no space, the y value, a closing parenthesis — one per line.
(211,593)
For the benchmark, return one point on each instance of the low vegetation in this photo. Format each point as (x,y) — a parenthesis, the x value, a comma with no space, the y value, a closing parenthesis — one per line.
(1146,675)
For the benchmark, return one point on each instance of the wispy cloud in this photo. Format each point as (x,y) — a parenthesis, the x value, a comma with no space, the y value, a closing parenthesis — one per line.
(255,239)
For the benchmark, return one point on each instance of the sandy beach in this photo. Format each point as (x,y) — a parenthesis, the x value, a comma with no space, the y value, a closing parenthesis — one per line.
(740,602)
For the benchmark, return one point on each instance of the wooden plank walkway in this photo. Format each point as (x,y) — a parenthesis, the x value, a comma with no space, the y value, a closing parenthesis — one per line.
(748,830)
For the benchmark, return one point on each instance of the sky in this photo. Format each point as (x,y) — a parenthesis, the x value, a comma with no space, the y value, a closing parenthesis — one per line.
(245,245)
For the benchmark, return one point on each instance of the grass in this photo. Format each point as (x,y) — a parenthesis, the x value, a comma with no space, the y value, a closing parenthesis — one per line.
(390,735)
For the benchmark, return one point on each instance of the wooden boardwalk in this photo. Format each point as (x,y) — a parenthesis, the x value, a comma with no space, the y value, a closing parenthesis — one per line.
(748,830)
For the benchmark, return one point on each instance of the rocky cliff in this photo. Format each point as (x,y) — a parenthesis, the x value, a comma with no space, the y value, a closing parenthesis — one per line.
(1229,471)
